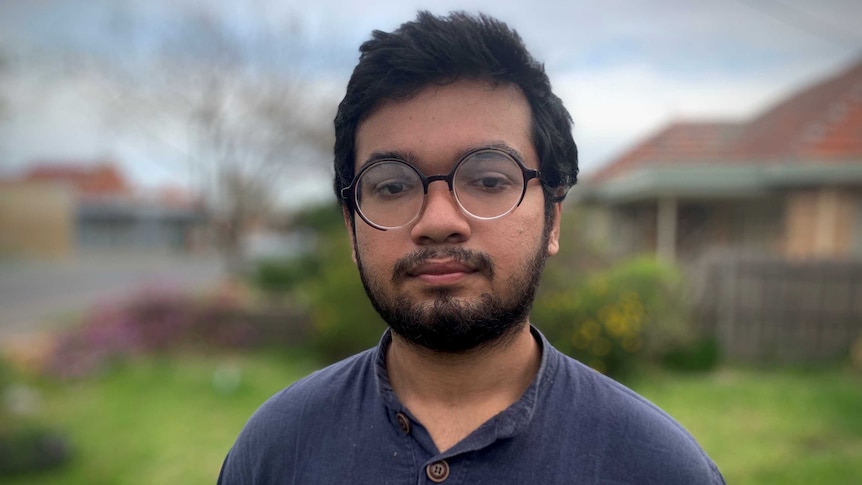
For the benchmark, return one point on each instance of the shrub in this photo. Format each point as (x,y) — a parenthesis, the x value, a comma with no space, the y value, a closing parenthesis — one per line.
(343,320)
(699,355)
(28,449)
(160,319)
(613,317)
(277,277)
(856,354)
(25,447)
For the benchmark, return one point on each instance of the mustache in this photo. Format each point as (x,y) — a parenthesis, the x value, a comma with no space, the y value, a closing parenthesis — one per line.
(474,260)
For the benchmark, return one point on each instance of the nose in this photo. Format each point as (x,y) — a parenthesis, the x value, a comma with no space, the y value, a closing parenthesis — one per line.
(442,220)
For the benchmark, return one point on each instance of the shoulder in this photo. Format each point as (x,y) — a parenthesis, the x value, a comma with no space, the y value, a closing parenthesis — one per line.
(298,413)
(596,394)
(321,392)
(639,438)
(348,375)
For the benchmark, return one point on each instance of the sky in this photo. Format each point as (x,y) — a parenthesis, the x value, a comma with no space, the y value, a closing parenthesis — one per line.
(624,68)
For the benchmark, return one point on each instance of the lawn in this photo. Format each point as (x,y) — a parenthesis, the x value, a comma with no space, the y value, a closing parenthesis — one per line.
(770,427)
(172,420)
(159,420)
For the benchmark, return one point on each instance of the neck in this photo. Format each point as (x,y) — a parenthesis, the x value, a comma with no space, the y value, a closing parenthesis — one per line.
(494,376)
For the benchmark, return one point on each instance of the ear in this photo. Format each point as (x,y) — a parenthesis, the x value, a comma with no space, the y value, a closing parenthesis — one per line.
(554,235)
(351,230)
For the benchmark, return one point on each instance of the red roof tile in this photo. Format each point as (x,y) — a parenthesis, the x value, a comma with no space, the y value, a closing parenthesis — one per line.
(821,123)
(677,144)
(104,179)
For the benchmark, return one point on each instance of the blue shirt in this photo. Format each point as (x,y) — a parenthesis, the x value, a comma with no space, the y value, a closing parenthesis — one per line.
(344,425)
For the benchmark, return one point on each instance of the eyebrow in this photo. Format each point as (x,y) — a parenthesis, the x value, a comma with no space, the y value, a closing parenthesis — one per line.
(406,156)
(412,158)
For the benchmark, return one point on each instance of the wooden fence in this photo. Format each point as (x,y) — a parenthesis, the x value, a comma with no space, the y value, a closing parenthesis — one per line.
(773,311)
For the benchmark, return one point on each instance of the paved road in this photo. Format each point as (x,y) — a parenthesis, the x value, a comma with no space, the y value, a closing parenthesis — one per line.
(37,295)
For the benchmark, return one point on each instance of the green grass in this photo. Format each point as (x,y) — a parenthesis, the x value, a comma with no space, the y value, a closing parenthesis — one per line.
(770,427)
(164,421)
(158,420)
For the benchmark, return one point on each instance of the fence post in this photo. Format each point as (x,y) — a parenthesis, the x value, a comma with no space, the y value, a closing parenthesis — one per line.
(726,310)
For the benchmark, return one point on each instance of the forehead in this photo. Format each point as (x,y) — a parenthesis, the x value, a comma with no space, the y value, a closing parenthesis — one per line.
(441,122)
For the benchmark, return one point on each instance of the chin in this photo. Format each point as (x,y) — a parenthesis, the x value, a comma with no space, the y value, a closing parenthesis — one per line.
(454,325)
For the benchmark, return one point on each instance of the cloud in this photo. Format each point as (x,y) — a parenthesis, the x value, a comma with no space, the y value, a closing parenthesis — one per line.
(623,67)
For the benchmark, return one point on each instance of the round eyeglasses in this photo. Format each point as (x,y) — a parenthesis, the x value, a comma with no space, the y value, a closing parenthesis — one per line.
(486,183)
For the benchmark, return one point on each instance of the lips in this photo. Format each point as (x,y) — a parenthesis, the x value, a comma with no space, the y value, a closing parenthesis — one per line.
(440,273)
(439,268)
(442,265)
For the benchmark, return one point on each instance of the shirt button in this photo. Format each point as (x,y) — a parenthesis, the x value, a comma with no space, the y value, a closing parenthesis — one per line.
(403,422)
(438,471)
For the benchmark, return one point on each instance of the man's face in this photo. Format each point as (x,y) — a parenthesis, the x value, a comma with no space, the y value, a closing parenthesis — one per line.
(449,282)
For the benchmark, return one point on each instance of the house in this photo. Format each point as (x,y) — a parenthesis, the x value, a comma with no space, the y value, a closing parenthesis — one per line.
(60,208)
(787,182)
(36,219)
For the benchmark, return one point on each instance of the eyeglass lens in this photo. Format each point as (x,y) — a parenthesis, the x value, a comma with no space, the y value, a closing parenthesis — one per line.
(488,184)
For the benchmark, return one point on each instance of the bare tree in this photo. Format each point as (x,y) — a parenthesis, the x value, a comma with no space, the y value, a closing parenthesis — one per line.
(4,68)
(252,115)
(8,69)
(251,136)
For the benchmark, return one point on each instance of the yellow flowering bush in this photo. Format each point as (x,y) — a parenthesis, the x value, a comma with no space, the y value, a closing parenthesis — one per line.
(611,318)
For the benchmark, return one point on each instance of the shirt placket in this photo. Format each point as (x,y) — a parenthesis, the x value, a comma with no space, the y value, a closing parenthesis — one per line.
(431,469)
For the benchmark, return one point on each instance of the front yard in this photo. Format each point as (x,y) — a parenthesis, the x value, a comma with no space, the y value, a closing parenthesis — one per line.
(171,420)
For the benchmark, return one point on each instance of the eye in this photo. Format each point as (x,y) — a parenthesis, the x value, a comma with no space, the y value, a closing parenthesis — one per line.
(489,172)
(490,181)
(389,180)
(392,188)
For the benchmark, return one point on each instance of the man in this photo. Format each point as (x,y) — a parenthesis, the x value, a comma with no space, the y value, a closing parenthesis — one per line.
(452,157)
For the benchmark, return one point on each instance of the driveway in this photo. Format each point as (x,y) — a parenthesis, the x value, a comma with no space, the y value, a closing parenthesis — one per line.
(37,295)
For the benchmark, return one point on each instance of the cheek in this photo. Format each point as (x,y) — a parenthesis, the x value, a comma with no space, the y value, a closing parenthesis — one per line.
(362,250)
(517,245)
(375,250)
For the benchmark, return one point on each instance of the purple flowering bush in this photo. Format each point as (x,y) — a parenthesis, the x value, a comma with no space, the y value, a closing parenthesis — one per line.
(159,320)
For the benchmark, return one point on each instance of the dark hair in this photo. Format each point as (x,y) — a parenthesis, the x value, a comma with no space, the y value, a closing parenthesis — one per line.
(442,50)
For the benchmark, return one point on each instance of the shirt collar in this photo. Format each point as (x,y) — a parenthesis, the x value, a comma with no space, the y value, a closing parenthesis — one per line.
(512,421)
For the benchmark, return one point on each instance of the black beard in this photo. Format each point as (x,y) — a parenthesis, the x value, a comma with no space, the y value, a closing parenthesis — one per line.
(448,325)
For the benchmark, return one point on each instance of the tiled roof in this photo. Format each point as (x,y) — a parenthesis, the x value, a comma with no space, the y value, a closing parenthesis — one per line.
(677,144)
(823,121)
(819,124)
(104,186)
(97,180)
